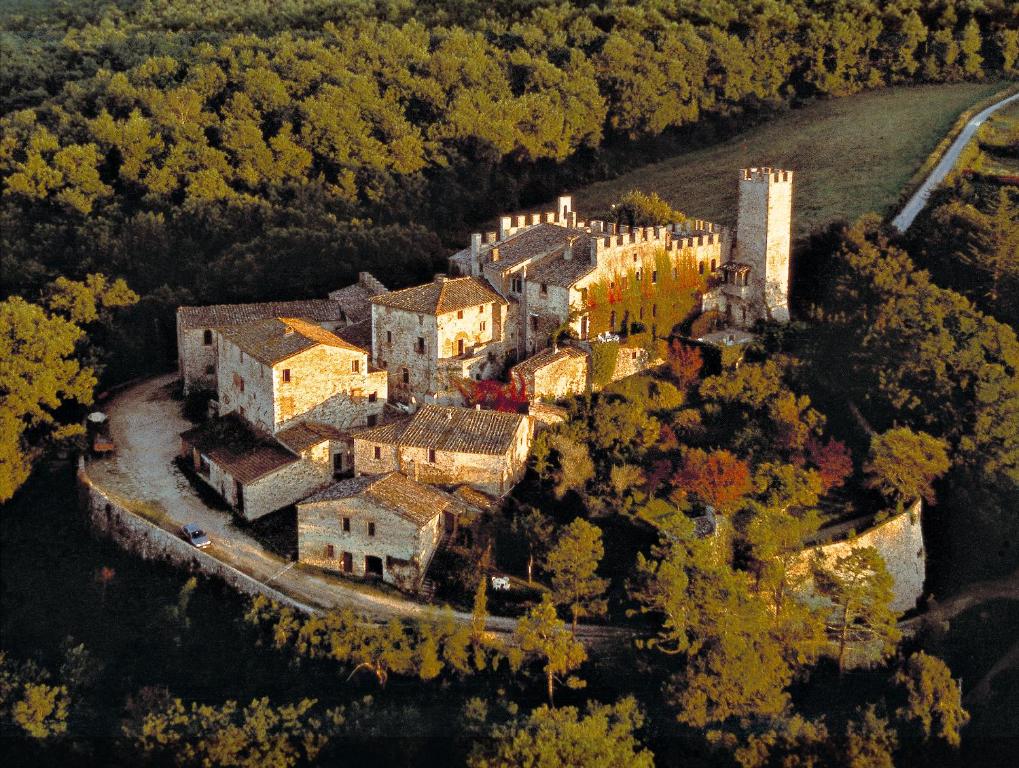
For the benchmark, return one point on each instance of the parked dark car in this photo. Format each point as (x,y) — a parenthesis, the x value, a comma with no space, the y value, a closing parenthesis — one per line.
(194,536)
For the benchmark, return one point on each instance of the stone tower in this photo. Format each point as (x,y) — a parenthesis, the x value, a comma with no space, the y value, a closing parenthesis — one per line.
(763,235)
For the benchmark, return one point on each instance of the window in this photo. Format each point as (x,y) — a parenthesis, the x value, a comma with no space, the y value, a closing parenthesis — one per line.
(517,285)
(238,383)
(484,326)
(372,420)
(371,529)
(431,455)
(544,289)
(713,265)
(654,276)
(337,463)
(286,375)
(209,370)
(420,348)
(330,551)
(583,295)
(373,396)
(346,525)
(378,452)
(240,355)
(654,310)
(389,337)
(459,314)
(459,346)
(355,365)
(637,276)
(534,323)
(207,338)
(481,308)
(700,268)
(406,376)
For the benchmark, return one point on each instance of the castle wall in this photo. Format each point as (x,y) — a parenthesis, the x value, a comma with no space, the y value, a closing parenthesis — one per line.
(321,524)
(899,540)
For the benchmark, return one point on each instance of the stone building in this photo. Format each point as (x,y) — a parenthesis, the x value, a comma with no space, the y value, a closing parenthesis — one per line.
(554,373)
(430,335)
(387,526)
(288,392)
(447,445)
(255,472)
(754,280)
(282,370)
(197,350)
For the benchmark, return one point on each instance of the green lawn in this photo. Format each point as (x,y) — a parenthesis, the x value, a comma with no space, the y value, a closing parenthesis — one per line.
(852,155)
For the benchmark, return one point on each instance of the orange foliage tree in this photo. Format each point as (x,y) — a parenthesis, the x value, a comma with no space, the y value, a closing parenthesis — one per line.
(718,479)
(685,363)
(832,460)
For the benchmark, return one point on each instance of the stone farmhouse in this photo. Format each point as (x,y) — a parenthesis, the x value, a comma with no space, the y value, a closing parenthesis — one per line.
(448,445)
(288,389)
(387,526)
(346,311)
(553,373)
(430,335)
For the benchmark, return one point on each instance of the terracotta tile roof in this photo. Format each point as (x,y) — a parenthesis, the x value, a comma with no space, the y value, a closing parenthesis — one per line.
(561,272)
(538,240)
(447,428)
(543,358)
(477,499)
(358,334)
(216,315)
(302,436)
(355,301)
(276,339)
(444,294)
(416,502)
(240,451)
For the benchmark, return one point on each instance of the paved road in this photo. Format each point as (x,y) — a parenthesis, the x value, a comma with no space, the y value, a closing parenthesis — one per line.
(145,422)
(916,203)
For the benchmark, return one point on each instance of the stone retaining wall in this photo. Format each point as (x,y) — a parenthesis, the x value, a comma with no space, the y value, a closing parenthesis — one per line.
(150,542)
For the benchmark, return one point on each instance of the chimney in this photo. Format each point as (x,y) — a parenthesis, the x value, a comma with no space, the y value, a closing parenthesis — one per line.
(440,279)
(505,225)
(495,253)
(476,253)
(568,251)
(564,206)
(477,406)
(571,219)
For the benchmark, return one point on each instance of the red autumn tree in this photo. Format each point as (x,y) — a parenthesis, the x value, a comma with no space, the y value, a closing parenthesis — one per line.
(507,397)
(685,363)
(718,479)
(832,460)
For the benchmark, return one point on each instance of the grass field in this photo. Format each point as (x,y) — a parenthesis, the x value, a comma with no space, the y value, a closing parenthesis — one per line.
(852,155)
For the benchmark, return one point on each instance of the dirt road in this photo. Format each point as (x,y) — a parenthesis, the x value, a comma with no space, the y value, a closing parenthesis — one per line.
(145,422)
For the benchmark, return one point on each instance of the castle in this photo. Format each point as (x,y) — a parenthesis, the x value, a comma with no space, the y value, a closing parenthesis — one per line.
(369,382)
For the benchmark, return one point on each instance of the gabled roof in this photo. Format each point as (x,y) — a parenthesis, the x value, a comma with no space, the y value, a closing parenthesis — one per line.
(278,338)
(537,240)
(303,435)
(451,429)
(239,450)
(413,501)
(444,294)
(546,357)
(355,300)
(216,315)
(559,271)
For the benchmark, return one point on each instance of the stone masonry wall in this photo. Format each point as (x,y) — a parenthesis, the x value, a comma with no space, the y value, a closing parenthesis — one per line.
(395,335)
(255,402)
(321,524)
(324,387)
(150,542)
(195,358)
(899,540)
(568,376)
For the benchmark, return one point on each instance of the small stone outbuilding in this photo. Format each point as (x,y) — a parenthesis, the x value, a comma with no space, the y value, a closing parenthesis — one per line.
(554,373)
(385,526)
(448,445)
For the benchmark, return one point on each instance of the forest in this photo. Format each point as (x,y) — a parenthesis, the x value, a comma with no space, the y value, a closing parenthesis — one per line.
(161,152)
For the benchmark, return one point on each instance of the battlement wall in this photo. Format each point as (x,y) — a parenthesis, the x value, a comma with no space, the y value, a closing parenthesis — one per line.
(766,175)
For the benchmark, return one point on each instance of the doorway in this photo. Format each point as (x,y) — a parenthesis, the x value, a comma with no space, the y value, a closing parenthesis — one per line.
(347,562)
(239,491)
(373,566)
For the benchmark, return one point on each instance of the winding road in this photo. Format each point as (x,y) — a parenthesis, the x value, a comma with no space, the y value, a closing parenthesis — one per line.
(916,203)
(145,422)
